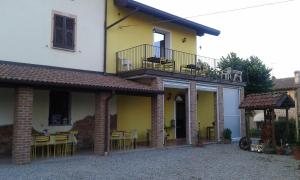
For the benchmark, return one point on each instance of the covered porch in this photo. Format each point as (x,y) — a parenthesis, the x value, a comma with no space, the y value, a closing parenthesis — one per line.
(38,101)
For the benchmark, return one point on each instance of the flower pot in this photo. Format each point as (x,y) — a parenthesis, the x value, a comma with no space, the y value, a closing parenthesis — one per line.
(296,152)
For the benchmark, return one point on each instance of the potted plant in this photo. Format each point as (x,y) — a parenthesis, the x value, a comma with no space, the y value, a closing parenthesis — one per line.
(296,150)
(227,136)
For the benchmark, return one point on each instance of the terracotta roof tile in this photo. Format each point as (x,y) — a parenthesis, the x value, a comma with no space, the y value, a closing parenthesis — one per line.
(276,100)
(284,84)
(44,75)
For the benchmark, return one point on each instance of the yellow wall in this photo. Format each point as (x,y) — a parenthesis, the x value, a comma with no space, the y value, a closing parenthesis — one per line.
(205,113)
(121,38)
(134,112)
(169,106)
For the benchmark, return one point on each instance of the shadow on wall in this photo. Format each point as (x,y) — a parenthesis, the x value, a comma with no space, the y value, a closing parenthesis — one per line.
(85,128)
(6,133)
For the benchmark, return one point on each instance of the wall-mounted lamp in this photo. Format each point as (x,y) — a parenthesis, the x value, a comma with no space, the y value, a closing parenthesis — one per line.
(184,40)
(178,98)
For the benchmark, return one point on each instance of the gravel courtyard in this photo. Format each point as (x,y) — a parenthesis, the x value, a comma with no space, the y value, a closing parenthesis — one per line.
(210,162)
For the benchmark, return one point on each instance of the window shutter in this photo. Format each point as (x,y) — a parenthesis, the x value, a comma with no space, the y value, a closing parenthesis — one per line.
(58,31)
(64,32)
(69,33)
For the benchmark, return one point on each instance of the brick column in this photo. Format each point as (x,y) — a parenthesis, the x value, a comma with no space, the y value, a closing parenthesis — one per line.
(157,114)
(193,113)
(21,149)
(243,119)
(220,105)
(100,118)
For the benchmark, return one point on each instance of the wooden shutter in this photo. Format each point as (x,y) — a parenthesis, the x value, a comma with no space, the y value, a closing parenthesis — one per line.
(64,32)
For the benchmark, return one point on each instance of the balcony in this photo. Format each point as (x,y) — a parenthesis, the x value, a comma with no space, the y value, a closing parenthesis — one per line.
(163,60)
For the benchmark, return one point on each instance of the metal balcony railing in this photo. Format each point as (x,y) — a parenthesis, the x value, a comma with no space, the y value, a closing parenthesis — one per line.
(151,57)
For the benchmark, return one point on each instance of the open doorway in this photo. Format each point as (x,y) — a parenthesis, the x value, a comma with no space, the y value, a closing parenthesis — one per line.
(180,117)
(161,43)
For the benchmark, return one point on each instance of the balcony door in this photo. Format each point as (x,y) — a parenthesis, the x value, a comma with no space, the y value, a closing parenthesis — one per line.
(161,43)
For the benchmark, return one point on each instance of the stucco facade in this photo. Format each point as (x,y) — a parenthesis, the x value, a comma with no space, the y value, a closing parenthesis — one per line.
(27,33)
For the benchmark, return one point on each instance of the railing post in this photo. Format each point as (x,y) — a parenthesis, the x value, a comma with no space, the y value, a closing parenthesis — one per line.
(196,68)
(145,56)
(117,59)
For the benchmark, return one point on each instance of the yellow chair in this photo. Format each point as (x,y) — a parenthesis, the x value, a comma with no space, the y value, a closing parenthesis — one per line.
(128,140)
(41,141)
(116,139)
(61,144)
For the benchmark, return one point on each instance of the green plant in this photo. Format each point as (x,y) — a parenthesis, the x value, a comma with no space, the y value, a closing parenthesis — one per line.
(255,72)
(280,131)
(227,134)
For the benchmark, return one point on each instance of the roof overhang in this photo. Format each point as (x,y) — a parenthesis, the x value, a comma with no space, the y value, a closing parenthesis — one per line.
(271,100)
(12,73)
(199,28)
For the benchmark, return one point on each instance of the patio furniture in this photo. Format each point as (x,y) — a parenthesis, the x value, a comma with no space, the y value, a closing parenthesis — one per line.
(123,140)
(116,140)
(237,75)
(226,73)
(126,64)
(61,144)
(128,141)
(41,141)
(157,62)
(55,141)
(190,67)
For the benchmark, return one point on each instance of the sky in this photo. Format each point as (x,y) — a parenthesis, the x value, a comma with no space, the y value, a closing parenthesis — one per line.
(270,32)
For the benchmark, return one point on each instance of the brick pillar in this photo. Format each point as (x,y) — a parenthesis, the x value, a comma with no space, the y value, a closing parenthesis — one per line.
(157,114)
(21,149)
(193,113)
(243,119)
(221,112)
(100,118)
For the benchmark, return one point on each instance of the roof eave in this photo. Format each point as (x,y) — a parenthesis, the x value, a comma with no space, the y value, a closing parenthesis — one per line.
(199,28)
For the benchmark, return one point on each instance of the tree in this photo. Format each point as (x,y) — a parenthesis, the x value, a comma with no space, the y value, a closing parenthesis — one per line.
(255,73)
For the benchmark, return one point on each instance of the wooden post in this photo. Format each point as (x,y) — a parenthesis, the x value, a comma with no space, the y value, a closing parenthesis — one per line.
(287,125)
(273,117)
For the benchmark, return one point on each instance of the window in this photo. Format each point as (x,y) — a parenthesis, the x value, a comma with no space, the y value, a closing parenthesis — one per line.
(63,32)
(59,112)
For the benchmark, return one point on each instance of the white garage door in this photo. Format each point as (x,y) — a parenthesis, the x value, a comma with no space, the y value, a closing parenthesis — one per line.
(231,111)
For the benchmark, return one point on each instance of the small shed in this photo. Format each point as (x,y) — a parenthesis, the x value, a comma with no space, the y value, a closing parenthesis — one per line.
(268,102)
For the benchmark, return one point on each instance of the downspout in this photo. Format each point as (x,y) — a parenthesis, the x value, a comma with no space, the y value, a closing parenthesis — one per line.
(105,37)
(107,124)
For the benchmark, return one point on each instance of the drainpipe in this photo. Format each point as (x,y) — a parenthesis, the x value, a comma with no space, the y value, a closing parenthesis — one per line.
(107,124)
(105,37)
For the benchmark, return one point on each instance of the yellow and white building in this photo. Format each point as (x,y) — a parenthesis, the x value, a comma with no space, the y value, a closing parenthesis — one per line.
(101,66)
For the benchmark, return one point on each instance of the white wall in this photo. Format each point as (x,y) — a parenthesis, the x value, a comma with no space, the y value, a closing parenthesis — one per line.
(25,33)
(7,104)
(82,105)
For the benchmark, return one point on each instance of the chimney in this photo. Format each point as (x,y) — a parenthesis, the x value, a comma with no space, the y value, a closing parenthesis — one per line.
(297,77)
